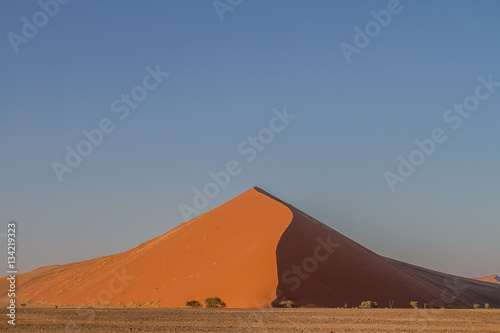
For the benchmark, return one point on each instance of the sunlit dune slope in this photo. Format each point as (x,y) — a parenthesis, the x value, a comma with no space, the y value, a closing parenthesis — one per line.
(228,252)
(490,279)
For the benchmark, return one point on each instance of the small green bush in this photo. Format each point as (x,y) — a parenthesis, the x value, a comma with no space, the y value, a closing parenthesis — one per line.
(214,302)
(193,304)
(414,304)
(287,304)
(368,305)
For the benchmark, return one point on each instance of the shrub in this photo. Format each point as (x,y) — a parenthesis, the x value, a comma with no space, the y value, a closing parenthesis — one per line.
(368,305)
(287,304)
(486,305)
(414,304)
(476,306)
(193,304)
(214,302)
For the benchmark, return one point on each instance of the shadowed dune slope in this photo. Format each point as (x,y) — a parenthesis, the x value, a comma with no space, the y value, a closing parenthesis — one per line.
(318,266)
(468,290)
(228,252)
(489,278)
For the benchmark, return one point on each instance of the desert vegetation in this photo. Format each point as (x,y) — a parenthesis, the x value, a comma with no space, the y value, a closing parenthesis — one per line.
(287,304)
(368,305)
(194,304)
(214,302)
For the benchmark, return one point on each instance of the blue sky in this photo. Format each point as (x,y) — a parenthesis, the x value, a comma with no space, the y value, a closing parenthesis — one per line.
(352,122)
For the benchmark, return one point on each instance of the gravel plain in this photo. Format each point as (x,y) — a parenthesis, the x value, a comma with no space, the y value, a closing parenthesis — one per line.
(251,320)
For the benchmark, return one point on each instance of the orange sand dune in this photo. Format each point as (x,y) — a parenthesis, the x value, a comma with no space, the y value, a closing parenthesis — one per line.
(489,278)
(253,251)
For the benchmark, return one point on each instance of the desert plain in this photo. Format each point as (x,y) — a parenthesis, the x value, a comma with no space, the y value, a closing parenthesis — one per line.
(111,320)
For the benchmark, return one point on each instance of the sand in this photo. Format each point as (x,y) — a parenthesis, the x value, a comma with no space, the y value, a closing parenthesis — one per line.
(490,279)
(257,320)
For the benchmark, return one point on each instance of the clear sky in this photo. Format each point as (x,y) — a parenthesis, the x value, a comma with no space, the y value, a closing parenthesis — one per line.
(361,91)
